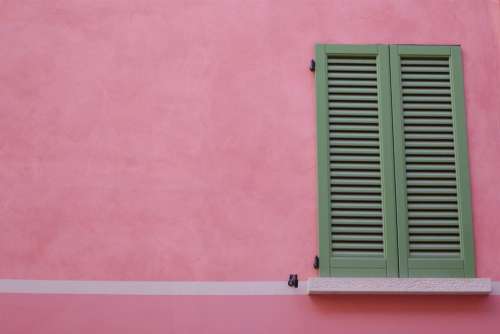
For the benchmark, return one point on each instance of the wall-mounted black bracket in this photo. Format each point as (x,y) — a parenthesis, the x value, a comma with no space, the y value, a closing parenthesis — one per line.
(312,66)
(316,262)
(293,281)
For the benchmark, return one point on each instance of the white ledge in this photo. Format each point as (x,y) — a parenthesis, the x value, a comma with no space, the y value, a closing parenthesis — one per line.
(464,286)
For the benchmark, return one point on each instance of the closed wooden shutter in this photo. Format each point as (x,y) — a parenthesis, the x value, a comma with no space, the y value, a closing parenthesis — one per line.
(431,171)
(357,221)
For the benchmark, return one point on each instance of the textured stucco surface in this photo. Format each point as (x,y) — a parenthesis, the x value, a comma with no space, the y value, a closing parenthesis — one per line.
(175,140)
(256,314)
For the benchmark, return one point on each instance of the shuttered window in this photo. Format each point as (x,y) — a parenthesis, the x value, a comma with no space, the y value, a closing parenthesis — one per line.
(394,195)
(433,197)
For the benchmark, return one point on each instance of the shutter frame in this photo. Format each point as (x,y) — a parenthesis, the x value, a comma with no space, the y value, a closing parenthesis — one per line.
(324,229)
(433,266)
(461,152)
(359,266)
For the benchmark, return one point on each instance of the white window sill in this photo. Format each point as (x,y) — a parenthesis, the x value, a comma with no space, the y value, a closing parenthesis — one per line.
(458,286)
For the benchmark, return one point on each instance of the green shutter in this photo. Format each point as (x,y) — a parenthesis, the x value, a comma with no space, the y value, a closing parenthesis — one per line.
(431,171)
(357,216)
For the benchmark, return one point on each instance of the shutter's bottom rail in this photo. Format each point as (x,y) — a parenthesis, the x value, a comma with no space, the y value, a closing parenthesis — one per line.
(344,285)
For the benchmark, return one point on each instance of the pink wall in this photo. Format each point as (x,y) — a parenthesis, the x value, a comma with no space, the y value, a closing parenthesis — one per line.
(51,314)
(175,140)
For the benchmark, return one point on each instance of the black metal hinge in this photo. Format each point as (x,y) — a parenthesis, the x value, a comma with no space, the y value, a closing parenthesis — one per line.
(293,281)
(316,262)
(312,66)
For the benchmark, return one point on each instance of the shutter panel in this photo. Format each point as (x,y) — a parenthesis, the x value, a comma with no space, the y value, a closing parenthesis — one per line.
(431,171)
(357,218)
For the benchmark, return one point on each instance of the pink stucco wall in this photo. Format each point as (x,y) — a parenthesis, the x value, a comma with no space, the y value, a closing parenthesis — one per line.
(255,315)
(175,140)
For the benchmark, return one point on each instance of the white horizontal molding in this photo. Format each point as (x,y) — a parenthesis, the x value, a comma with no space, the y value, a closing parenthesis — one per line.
(150,287)
(254,288)
(327,285)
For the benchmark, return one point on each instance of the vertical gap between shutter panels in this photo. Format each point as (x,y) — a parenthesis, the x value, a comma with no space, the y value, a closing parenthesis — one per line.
(394,156)
(356,193)
(430,157)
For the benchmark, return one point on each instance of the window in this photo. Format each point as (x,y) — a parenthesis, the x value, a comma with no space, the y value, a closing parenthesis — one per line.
(394,197)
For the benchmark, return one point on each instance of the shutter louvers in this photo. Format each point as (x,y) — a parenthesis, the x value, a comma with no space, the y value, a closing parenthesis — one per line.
(431,162)
(357,207)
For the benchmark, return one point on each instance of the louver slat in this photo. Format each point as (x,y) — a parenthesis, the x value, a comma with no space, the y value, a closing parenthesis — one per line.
(431,163)
(357,207)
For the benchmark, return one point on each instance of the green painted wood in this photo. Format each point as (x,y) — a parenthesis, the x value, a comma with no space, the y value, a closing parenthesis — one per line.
(355,120)
(430,149)
(426,84)
(461,152)
(444,272)
(358,166)
(399,158)
(353,90)
(424,52)
(354,128)
(426,106)
(433,223)
(430,263)
(345,75)
(359,113)
(363,221)
(389,188)
(353,51)
(352,68)
(356,205)
(409,68)
(360,162)
(346,97)
(426,121)
(355,83)
(351,229)
(348,135)
(433,230)
(357,218)
(369,266)
(356,214)
(351,105)
(424,91)
(427,62)
(338,237)
(324,218)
